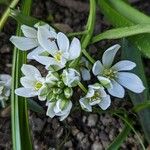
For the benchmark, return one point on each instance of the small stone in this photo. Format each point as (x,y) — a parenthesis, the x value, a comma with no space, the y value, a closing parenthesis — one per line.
(59,132)
(5,49)
(97,146)
(38,124)
(85,143)
(80,136)
(55,124)
(68,144)
(75,131)
(92,120)
(112,134)
(63,27)
(103,136)
(84,119)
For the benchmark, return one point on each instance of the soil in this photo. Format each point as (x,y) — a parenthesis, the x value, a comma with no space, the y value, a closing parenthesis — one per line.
(80,130)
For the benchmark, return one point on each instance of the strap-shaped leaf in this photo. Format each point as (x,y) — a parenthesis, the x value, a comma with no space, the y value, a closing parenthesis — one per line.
(118,18)
(20,126)
(122,32)
(131,53)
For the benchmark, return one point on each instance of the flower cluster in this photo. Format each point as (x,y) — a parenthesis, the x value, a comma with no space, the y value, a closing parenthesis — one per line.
(56,53)
(5,86)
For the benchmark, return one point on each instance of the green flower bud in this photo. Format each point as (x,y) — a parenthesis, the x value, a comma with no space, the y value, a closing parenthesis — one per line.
(57,91)
(68,92)
(51,97)
(60,84)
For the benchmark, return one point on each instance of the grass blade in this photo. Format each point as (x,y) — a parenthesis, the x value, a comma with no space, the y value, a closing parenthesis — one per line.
(120,138)
(117,18)
(22,18)
(20,125)
(122,32)
(6,13)
(131,53)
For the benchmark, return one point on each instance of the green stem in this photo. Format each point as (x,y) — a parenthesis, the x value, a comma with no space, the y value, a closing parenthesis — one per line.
(6,13)
(82,87)
(88,56)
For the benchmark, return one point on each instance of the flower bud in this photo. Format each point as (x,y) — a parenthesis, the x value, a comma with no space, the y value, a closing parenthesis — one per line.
(68,92)
(71,77)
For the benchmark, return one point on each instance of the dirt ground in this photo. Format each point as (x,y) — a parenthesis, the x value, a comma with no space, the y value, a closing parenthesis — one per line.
(80,130)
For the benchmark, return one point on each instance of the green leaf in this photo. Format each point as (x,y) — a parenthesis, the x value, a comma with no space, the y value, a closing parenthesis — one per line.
(118,18)
(22,18)
(129,12)
(129,52)
(129,123)
(122,32)
(20,126)
(6,13)
(141,106)
(34,106)
(120,138)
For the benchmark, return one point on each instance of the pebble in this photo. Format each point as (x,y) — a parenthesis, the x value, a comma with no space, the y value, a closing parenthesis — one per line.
(97,146)
(55,124)
(85,143)
(37,124)
(68,144)
(59,132)
(92,120)
(80,136)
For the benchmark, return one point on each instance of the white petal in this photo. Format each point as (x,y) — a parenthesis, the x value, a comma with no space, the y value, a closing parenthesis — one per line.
(50,110)
(131,82)
(124,65)
(90,93)
(105,81)
(85,74)
(116,90)
(45,60)
(63,41)
(97,68)
(24,43)
(30,71)
(109,55)
(35,52)
(67,108)
(61,118)
(6,78)
(25,92)
(47,40)
(105,102)
(27,82)
(75,49)
(85,104)
(95,86)
(29,31)
(94,102)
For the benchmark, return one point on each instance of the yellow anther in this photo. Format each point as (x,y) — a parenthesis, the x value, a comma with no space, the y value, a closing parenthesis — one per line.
(38,85)
(58,56)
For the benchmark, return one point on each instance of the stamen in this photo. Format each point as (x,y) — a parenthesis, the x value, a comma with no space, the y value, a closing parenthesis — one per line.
(58,56)
(38,85)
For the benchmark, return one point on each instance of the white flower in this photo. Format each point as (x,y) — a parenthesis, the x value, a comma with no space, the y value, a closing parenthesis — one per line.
(33,83)
(85,69)
(59,108)
(114,78)
(30,40)
(95,95)
(70,77)
(5,86)
(61,51)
